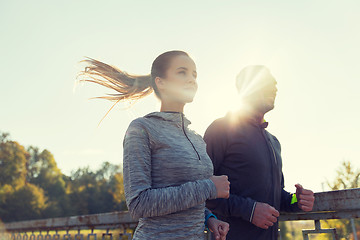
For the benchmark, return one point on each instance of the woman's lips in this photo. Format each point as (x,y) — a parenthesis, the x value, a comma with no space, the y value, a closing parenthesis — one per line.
(190,88)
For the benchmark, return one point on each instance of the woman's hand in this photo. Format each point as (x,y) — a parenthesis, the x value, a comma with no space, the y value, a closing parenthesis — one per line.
(222,186)
(218,228)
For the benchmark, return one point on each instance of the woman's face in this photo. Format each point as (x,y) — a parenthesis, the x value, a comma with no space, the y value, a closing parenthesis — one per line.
(179,84)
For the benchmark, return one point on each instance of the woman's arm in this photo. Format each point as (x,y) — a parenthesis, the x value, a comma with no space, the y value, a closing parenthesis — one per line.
(141,198)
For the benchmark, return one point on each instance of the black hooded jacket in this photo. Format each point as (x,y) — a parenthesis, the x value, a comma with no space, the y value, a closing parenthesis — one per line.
(250,156)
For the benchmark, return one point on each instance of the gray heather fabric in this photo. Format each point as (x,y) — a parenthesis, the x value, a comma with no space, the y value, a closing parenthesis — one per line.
(166,184)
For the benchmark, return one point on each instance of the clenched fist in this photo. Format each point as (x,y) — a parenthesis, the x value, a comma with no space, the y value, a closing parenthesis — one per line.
(218,228)
(264,215)
(222,186)
(305,198)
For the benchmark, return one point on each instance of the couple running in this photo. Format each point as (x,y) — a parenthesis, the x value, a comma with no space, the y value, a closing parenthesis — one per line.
(177,182)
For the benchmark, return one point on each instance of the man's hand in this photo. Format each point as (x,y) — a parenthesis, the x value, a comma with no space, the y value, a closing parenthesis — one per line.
(264,215)
(305,198)
(218,228)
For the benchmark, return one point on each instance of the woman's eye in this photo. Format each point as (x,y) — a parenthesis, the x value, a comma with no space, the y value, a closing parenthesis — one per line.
(182,72)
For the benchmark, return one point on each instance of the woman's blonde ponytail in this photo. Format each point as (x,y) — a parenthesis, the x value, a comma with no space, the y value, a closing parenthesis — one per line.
(127,86)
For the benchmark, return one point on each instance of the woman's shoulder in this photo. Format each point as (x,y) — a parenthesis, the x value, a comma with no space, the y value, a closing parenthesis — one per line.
(144,124)
(140,123)
(137,131)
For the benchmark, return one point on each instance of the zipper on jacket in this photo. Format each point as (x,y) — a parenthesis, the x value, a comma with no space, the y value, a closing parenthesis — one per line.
(272,148)
(269,143)
(272,166)
(183,127)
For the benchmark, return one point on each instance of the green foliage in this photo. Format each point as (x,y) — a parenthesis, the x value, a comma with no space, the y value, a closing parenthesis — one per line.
(42,171)
(99,191)
(32,186)
(13,158)
(28,202)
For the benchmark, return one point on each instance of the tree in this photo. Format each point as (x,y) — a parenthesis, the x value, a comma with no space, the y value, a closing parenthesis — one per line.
(42,171)
(347,177)
(117,190)
(19,200)
(96,192)
(32,186)
(27,202)
(13,158)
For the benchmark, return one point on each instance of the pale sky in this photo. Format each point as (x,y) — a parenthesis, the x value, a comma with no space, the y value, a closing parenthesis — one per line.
(311,47)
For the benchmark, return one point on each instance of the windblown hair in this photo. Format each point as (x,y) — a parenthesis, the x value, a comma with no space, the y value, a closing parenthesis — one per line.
(128,87)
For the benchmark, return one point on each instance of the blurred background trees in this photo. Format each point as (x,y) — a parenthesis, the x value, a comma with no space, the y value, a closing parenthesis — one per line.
(33,187)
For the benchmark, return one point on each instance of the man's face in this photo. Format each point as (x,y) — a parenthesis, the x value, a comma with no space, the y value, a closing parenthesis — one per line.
(263,99)
(268,95)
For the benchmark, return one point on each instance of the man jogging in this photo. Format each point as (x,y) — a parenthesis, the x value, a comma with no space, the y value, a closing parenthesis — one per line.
(241,148)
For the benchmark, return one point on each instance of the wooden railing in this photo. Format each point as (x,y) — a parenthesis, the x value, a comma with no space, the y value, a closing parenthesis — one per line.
(343,204)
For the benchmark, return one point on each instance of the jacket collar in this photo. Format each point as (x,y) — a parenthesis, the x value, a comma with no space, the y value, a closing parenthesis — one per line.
(175,117)
(239,117)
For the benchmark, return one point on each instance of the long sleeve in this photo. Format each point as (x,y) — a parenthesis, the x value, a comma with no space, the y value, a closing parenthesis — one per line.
(235,206)
(207,213)
(286,197)
(142,199)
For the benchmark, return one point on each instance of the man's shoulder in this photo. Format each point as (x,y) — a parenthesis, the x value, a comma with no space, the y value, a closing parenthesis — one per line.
(271,135)
(218,125)
(274,140)
(231,121)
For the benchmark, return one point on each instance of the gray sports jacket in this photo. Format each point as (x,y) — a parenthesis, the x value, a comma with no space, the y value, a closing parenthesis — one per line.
(166,177)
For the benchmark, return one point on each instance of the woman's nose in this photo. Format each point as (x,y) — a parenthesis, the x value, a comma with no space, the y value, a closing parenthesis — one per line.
(192,79)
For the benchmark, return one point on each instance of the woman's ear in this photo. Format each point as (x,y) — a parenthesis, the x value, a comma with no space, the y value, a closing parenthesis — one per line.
(160,83)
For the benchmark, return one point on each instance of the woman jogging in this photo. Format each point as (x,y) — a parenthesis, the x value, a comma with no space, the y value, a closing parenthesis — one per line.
(168,175)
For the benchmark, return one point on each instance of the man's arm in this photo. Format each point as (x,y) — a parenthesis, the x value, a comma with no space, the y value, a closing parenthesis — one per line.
(302,200)
(215,138)
(288,201)
(235,206)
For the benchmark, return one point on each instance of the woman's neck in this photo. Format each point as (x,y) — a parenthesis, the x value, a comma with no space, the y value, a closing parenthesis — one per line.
(172,107)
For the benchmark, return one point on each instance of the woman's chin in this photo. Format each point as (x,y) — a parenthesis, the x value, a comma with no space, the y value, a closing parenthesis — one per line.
(189,100)
(188,97)
(186,100)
